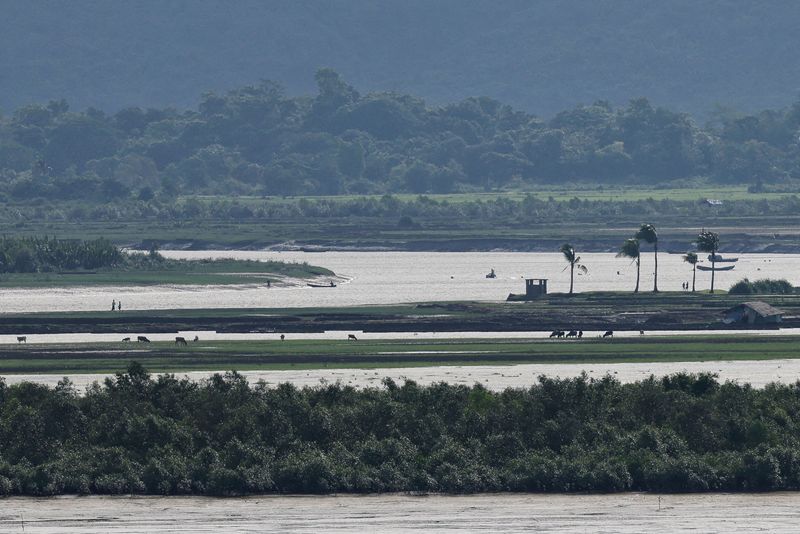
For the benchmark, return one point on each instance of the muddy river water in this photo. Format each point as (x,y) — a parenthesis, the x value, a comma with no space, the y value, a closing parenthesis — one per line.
(392,277)
(626,513)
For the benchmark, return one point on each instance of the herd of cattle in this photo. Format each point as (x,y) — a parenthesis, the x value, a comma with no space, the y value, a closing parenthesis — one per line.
(143,339)
(579,334)
(558,334)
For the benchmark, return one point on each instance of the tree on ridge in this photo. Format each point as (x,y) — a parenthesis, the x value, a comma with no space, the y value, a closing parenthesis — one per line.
(574,261)
(630,249)
(647,232)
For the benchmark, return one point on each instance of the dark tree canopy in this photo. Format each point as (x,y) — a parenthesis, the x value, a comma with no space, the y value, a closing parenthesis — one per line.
(139,433)
(256,140)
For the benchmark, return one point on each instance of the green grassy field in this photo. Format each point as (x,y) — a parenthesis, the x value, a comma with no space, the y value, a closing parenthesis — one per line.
(302,354)
(220,272)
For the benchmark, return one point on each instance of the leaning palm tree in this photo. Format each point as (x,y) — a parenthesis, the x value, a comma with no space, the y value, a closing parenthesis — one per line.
(691,259)
(647,232)
(630,249)
(573,259)
(709,242)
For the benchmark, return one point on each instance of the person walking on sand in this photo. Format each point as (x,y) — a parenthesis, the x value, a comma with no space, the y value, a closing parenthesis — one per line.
(113,304)
(119,306)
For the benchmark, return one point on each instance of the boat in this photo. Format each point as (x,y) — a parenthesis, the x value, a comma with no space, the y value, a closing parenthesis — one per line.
(331,284)
(723,268)
(719,259)
(491,275)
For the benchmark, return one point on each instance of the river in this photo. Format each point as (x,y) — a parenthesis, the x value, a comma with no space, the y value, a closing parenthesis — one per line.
(399,277)
(624,513)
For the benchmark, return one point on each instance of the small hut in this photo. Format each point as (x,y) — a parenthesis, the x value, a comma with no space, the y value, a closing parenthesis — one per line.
(755,312)
(534,288)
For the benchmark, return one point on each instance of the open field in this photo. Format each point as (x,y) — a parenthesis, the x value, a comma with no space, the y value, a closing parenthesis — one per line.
(593,219)
(595,311)
(327,354)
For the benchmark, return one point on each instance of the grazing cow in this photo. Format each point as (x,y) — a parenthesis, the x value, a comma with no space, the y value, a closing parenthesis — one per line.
(180,340)
(572,333)
(580,333)
(609,333)
(554,333)
(641,332)
(126,340)
(560,334)
(352,336)
(283,337)
(22,339)
(142,339)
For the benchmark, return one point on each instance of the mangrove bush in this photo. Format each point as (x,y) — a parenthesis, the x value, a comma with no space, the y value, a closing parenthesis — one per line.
(163,435)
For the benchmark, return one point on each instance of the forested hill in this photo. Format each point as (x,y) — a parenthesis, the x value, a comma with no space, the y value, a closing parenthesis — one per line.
(256,140)
(541,56)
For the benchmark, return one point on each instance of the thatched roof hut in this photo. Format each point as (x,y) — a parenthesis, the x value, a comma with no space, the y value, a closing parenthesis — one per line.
(754,312)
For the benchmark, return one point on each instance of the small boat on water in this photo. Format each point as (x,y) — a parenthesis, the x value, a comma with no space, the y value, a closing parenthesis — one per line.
(491,275)
(719,259)
(723,268)
(331,284)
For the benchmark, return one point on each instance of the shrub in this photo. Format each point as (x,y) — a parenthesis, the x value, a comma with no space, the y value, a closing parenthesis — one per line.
(761,287)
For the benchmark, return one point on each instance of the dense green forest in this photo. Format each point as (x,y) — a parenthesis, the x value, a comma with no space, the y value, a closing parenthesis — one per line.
(45,254)
(541,56)
(139,434)
(256,140)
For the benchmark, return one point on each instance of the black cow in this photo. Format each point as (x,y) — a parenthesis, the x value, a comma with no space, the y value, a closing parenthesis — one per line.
(22,339)
(609,333)
(142,339)
(572,333)
(180,340)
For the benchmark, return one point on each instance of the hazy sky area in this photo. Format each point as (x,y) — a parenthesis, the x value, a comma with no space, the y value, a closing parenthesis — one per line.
(538,55)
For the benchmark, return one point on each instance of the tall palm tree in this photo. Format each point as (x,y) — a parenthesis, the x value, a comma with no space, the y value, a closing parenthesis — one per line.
(573,259)
(709,242)
(691,259)
(630,249)
(647,232)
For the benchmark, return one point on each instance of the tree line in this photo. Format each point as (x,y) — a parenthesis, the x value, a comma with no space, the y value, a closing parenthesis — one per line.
(48,254)
(136,433)
(706,241)
(529,209)
(256,140)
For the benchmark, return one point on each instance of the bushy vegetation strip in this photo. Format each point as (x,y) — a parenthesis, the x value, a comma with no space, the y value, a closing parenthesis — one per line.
(141,434)
(32,261)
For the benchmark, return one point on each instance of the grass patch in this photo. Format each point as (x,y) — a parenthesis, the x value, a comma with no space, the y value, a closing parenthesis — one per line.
(322,354)
(173,272)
